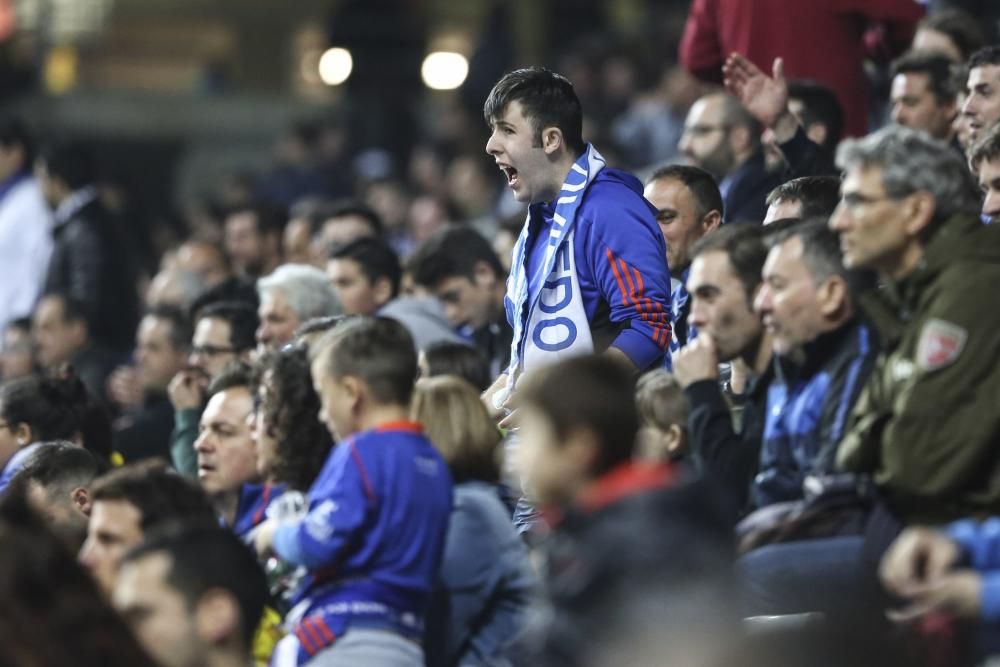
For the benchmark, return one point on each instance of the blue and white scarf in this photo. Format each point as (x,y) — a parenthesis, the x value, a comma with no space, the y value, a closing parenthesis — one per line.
(546,309)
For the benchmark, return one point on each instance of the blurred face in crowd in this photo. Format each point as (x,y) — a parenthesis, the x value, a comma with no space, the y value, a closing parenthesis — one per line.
(357,294)
(788,300)
(11,160)
(16,356)
(227,456)
(296,242)
(982,104)
(706,139)
(679,220)
(245,245)
(783,209)
(551,469)
(915,105)
(876,231)
(157,613)
(527,165)
(338,232)
(115,527)
(211,347)
(278,321)
(989,182)
(53,189)
(720,306)
(471,301)
(158,359)
(12,438)
(338,397)
(57,339)
(204,260)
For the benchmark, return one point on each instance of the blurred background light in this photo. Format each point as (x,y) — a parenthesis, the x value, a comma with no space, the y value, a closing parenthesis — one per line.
(444,70)
(335,66)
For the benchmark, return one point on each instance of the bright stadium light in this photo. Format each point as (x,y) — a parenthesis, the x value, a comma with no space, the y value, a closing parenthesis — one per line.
(335,66)
(444,70)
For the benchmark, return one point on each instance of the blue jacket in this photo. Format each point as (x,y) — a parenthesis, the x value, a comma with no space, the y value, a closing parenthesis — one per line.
(807,409)
(981,544)
(374,532)
(481,603)
(621,266)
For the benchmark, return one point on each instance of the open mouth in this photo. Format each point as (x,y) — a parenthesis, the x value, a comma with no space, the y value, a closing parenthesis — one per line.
(205,469)
(510,173)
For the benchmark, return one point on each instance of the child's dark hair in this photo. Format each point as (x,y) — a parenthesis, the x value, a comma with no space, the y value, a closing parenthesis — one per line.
(377,350)
(592,393)
(52,407)
(461,360)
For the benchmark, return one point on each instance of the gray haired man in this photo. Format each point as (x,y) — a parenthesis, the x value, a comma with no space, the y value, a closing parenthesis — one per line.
(291,295)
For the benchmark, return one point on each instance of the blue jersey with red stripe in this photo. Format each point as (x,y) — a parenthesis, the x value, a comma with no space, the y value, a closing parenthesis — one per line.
(621,266)
(374,534)
(251,509)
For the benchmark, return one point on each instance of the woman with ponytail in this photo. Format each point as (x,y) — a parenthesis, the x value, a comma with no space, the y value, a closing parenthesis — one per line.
(34,410)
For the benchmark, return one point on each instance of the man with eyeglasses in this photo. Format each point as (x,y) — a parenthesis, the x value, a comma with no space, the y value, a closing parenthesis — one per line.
(722,137)
(225,332)
(925,428)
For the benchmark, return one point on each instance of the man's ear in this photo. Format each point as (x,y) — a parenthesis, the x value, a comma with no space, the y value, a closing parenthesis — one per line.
(832,296)
(484,275)
(921,208)
(217,617)
(80,497)
(552,140)
(354,389)
(382,290)
(23,434)
(711,221)
(675,440)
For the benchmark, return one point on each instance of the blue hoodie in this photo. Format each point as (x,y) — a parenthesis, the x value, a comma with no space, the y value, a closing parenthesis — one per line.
(621,266)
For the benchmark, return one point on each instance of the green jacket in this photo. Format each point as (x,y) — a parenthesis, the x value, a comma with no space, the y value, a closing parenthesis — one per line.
(927,425)
(182,442)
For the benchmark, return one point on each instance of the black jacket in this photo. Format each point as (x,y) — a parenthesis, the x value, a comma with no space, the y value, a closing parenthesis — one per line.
(720,452)
(92,264)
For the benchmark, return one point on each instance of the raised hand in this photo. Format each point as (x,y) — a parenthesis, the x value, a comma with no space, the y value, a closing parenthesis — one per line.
(765,97)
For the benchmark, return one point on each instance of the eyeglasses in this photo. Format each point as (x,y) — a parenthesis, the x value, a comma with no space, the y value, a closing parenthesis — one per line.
(210,350)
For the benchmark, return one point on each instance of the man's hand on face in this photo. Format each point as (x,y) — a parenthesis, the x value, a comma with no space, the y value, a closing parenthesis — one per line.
(188,388)
(697,361)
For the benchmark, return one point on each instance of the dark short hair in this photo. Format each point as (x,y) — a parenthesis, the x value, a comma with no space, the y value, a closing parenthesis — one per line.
(69,162)
(231,289)
(461,360)
(547,100)
(376,258)
(342,208)
(52,407)
(180,326)
(242,321)
(820,248)
(204,557)
(744,246)
(594,393)
(159,493)
(59,466)
(377,350)
(819,195)
(820,105)
(988,55)
(452,252)
(936,67)
(236,374)
(959,26)
(698,181)
(14,133)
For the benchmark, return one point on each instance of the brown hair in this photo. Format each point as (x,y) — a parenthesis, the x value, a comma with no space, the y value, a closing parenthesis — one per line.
(661,401)
(458,424)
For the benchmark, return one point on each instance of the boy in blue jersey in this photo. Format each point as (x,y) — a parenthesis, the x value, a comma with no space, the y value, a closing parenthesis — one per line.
(373,536)
(589,271)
